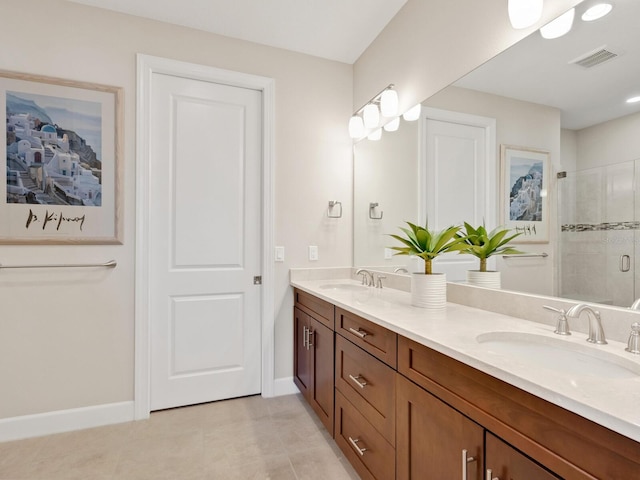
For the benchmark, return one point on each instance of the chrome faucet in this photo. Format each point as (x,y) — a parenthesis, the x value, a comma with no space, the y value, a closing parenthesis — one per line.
(635,305)
(562,325)
(596,333)
(367,277)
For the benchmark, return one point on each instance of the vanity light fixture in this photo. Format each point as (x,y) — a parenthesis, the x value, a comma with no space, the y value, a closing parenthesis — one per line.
(524,13)
(597,11)
(560,26)
(356,127)
(368,116)
(389,103)
(393,125)
(371,115)
(633,99)
(375,135)
(413,113)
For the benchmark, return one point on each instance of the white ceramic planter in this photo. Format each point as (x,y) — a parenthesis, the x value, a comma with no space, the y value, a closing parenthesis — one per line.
(429,291)
(483,279)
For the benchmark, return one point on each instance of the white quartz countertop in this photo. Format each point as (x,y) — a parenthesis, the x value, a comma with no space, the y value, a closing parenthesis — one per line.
(610,402)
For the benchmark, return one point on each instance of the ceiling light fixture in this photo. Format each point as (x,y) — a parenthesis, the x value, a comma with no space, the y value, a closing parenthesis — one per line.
(633,99)
(596,12)
(368,116)
(560,26)
(524,13)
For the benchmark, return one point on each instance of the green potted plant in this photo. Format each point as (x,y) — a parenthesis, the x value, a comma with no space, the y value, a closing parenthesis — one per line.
(429,290)
(482,244)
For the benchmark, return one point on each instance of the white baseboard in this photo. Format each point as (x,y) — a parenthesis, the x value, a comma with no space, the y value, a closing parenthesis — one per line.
(26,426)
(284,386)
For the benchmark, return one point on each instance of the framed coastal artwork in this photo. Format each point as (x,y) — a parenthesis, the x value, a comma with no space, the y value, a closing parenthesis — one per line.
(62,177)
(524,186)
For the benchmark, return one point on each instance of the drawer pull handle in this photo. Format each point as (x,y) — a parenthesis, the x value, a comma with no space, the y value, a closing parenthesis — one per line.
(490,475)
(360,333)
(360,450)
(309,333)
(357,381)
(466,460)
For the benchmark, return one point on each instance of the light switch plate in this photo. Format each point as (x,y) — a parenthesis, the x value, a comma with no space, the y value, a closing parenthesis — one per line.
(388,253)
(279,255)
(313,252)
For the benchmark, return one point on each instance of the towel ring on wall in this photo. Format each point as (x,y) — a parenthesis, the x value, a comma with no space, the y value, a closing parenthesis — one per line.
(332,204)
(372,207)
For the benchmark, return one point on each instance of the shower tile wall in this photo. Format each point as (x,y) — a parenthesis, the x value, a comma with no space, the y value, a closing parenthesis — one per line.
(598,228)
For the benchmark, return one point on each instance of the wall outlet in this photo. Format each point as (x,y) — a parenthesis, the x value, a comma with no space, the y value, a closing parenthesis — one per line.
(313,252)
(279,255)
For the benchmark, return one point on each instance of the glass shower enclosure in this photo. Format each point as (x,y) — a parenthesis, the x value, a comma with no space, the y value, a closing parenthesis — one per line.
(598,234)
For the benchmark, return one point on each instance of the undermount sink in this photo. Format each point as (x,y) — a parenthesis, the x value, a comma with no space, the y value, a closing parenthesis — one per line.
(559,355)
(347,287)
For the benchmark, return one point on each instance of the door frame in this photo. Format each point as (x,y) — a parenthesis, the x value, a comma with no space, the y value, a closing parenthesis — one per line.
(148,65)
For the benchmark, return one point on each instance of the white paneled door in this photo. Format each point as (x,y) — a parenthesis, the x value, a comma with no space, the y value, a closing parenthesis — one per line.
(205,241)
(460,179)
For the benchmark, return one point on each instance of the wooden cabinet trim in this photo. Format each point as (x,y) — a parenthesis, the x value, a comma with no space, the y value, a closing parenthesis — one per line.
(568,444)
(384,463)
(377,400)
(321,310)
(379,341)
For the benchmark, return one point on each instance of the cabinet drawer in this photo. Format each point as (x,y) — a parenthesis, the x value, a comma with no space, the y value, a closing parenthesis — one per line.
(369,453)
(376,340)
(368,384)
(316,307)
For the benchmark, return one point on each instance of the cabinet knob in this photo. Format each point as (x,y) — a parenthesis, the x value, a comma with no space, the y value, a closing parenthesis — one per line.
(466,459)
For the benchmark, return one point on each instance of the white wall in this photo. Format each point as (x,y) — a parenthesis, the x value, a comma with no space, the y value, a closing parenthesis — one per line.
(66,337)
(431,43)
(607,143)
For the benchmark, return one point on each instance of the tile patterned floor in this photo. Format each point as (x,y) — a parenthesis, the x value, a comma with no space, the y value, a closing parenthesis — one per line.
(247,438)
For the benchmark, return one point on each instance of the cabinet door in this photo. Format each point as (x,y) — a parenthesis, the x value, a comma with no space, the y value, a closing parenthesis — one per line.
(507,463)
(321,347)
(430,437)
(301,356)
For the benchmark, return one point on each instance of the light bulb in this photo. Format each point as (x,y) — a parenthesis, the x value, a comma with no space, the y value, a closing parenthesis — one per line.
(524,13)
(356,127)
(413,113)
(371,115)
(560,26)
(393,125)
(375,135)
(389,103)
(596,12)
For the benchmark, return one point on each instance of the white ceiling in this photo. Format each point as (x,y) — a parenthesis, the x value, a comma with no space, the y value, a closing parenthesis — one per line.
(335,29)
(538,70)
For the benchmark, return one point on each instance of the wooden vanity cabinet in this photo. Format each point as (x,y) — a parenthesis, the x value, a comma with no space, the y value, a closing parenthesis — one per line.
(431,437)
(507,463)
(398,409)
(565,443)
(314,355)
(365,428)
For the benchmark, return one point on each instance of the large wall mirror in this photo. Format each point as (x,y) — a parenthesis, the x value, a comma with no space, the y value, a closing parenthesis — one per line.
(566,96)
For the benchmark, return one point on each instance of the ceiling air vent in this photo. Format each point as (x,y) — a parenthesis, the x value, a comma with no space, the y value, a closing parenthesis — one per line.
(596,57)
